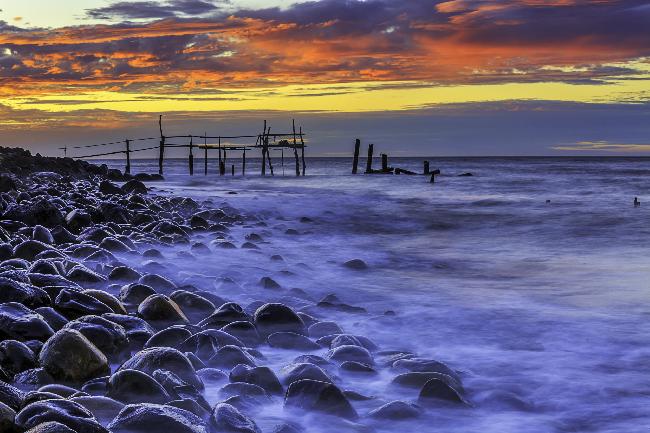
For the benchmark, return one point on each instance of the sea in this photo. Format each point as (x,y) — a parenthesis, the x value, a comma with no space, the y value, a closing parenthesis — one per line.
(531,278)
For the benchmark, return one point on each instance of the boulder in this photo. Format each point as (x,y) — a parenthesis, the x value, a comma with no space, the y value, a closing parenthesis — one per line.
(244,331)
(68,355)
(50,427)
(107,336)
(195,307)
(104,409)
(11,396)
(66,412)
(15,357)
(227,418)
(108,187)
(260,376)
(137,330)
(7,418)
(312,395)
(150,418)
(124,273)
(42,234)
(227,313)
(29,249)
(20,323)
(134,187)
(291,340)
(350,353)
(26,294)
(75,304)
(270,318)
(77,220)
(159,310)
(41,211)
(321,329)
(132,386)
(438,389)
(166,358)
(395,410)
(229,357)
(303,370)
(109,300)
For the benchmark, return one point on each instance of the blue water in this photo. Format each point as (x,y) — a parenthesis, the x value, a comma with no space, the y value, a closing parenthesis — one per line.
(548,302)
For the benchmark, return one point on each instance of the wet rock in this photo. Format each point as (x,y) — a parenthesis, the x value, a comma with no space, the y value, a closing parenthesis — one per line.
(227,418)
(165,358)
(159,283)
(11,396)
(291,340)
(104,409)
(438,389)
(242,388)
(44,267)
(260,376)
(321,329)
(312,395)
(16,357)
(28,250)
(20,323)
(202,344)
(347,340)
(332,301)
(271,318)
(160,311)
(58,389)
(418,379)
(14,291)
(82,274)
(107,336)
(75,304)
(190,406)
(229,357)
(269,283)
(425,365)
(123,273)
(132,386)
(66,412)
(63,236)
(396,410)
(288,428)
(211,375)
(227,313)
(33,378)
(194,306)
(68,355)
(137,330)
(150,418)
(303,370)
(245,331)
(77,220)
(107,187)
(51,427)
(40,211)
(356,264)
(134,294)
(42,234)
(7,417)
(357,367)
(114,245)
(350,353)
(168,337)
(134,187)
(96,386)
(106,298)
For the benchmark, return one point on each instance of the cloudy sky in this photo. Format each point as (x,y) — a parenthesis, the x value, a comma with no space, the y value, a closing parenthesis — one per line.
(459,77)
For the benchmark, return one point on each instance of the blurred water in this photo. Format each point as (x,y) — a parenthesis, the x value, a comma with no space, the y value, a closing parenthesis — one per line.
(546,301)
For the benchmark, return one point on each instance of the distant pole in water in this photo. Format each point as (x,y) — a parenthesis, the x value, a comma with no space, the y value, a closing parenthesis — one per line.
(426,167)
(263,143)
(369,160)
(637,203)
(268,154)
(128,156)
(232,170)
(295,148)
(302,142)
(355,161)
(282,161)
(384,162)
(221,166)
(161,155)
(243,163)
(205,158)
(433,175)
(191,157)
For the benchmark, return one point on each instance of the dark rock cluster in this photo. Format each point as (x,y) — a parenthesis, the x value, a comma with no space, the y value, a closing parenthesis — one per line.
(91,344)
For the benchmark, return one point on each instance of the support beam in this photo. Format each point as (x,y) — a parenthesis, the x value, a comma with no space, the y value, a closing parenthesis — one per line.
(127,170)
(355,161)
(205,157)
(268,154)
(369,160)
(295,149)
(161,151)
(302,148)
(263,143)
(191,157)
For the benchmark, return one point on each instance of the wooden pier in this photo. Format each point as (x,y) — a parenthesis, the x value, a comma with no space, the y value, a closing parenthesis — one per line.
(266,141)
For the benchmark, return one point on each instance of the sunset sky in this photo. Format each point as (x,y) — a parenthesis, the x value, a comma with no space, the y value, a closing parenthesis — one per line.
(459,77)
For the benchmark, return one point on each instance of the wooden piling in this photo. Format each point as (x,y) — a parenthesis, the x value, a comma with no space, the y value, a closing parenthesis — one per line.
(295,148)
(426,167)
(205,159)
(355,161)
(161,151)
(191,157)
(384,162)
(433,176)
(302,148)
(232,170)
(127,170)
(369,160)
(221,169)
(263,141)
(243,163)
(268,154)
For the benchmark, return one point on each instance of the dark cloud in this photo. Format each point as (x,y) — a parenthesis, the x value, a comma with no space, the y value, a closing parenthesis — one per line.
(154,9)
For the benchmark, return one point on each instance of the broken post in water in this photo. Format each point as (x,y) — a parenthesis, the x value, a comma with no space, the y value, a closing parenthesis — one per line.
(127,170)
(433,175)
(355,160)
(384,163)
(426,167)
(243,163)
(369,160)
(302,147)
(191,157)
(295,148)
(161,155)
(205,147)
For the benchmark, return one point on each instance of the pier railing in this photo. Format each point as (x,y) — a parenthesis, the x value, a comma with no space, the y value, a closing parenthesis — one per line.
(265,141)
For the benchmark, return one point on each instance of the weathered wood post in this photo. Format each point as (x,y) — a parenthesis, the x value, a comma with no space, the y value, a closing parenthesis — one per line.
(232,170)
(268,154)
(205,158)
(127,170)
(426,167)
(282,160)
(295,149)
(161,155)
(369,160)
(191,157)
(355,161)
(243,163)
(433,175)
(302,148)
(263,141)
(223,163)
(384,163)
(221,166)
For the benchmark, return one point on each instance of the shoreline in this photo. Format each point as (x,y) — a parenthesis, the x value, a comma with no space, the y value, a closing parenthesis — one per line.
(96,343)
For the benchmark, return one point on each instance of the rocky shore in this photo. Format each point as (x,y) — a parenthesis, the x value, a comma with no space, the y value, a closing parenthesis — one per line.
(93,343)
